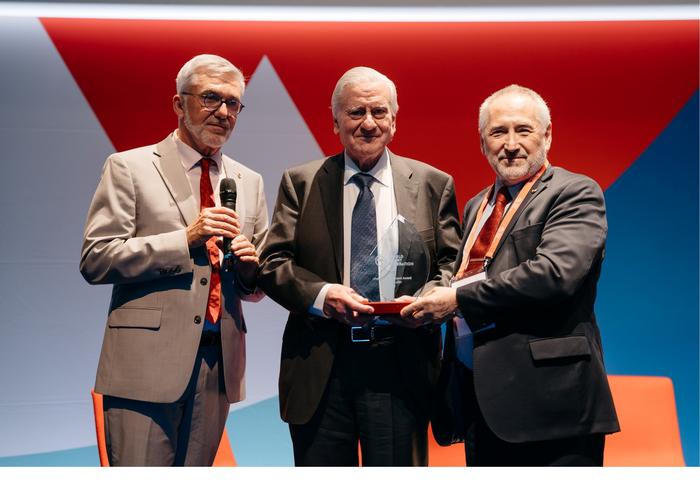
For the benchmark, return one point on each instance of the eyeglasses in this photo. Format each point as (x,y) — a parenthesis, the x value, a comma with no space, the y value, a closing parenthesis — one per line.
(212,102)
(358,113)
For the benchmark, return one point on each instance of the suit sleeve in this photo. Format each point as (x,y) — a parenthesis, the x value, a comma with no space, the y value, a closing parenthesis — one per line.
(572,241)
(285,281)
(112,252)
(259,235)
(447,236)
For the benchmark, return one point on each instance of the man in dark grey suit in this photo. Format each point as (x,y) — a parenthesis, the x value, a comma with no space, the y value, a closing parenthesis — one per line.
(173,356)
(337,388)
(524,292)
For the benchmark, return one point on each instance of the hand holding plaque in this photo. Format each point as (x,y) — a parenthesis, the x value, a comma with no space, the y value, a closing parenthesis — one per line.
(403,264)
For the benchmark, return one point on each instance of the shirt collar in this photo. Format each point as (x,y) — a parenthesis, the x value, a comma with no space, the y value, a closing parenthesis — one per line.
(381,171)
(189,157)
(512,190)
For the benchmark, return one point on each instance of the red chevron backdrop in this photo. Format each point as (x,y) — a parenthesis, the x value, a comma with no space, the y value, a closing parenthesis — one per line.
(624,100)
(612,86)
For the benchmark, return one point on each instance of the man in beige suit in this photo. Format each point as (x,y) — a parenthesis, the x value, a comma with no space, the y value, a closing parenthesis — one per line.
(173,356)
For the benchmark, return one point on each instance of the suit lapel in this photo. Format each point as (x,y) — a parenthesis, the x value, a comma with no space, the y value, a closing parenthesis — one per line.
(330,183)
(405,188)
(406,195)
(535,191)
(468,222)
(471,213)
(168,163)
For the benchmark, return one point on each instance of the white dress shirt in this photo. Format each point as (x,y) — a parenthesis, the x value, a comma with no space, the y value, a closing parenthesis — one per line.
(189,157)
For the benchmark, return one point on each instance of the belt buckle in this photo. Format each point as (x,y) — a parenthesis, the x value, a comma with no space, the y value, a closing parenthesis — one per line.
(361,334)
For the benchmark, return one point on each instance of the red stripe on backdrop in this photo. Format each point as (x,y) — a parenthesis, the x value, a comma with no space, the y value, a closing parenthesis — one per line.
(612,86)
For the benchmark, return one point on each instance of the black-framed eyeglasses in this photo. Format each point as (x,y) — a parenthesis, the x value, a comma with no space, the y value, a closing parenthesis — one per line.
(212,102)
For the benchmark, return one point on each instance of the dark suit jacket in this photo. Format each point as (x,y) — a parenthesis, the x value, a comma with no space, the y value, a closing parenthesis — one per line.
(539,374)
(304,251)
(135,239)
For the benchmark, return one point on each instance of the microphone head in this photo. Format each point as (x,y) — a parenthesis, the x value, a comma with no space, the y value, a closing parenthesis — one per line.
(227,185)
(227,193)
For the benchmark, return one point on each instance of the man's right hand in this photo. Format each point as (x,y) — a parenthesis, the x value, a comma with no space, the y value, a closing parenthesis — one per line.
(344,304)
(214,221)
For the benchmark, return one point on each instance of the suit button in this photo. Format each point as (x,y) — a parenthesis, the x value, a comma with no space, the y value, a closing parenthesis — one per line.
(203,281)
(197,319)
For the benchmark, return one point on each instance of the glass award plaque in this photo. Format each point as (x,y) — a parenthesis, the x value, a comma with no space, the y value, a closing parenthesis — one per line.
(403,264)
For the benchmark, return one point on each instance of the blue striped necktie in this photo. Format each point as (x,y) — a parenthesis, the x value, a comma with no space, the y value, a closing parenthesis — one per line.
(364,273)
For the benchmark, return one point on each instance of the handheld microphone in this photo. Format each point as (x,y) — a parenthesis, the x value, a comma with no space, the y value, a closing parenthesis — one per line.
(228,194)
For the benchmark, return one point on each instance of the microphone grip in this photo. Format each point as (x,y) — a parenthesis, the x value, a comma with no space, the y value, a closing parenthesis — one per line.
(227,247)
(228,198)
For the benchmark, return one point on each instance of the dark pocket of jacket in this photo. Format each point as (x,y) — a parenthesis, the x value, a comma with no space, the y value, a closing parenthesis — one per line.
(564,347)
(143,318)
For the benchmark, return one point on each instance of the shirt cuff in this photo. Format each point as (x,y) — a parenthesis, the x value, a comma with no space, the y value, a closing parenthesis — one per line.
(317,307)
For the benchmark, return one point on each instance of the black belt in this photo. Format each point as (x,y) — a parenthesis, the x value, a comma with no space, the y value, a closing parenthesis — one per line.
(210,338)
(372,332)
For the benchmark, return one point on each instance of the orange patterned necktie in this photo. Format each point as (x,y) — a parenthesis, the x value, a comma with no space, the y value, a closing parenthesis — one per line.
(206,195)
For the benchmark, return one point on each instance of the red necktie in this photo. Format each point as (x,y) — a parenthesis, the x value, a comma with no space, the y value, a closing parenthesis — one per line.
(206,195)
(485,236)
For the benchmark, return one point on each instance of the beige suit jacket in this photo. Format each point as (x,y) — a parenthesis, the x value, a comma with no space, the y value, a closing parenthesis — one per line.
(135,239)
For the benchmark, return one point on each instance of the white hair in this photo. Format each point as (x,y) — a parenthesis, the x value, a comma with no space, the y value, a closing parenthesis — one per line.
(212,65)
(542,108)
(358,75)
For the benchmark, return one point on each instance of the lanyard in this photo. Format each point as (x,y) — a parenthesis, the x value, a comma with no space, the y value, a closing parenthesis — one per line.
(504,222)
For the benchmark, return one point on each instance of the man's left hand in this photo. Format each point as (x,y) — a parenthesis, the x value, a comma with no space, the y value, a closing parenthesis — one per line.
(435,306)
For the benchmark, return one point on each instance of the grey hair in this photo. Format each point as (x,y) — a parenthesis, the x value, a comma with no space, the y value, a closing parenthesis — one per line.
(212,65)
(358,75)
(542,108)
